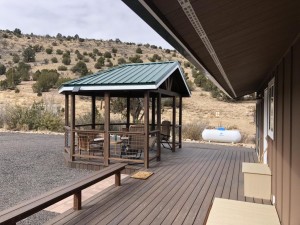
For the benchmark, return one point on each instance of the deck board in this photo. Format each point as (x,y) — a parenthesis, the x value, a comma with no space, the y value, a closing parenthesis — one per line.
(181,190)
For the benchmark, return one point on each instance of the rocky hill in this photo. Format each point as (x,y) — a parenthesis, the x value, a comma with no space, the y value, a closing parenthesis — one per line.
(200,108)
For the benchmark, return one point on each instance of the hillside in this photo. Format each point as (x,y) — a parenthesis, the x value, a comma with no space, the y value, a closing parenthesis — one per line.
(200,108)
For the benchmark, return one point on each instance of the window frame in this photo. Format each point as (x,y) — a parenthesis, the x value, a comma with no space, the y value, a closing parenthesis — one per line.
(271,108)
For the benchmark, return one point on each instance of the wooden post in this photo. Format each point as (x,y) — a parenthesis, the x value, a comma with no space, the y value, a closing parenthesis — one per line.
(106,128)
(66,119)
(153,114)
(77,201)
(118,178)
(180,122)
(72,150)
(146,129)
(128,113)
(93,111)
(158,126)
(173,124)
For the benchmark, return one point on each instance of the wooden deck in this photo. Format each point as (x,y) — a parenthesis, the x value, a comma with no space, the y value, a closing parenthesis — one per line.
(180,191)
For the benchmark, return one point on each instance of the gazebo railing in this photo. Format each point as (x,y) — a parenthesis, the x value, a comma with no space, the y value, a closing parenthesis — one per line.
(124,146)
(88,143)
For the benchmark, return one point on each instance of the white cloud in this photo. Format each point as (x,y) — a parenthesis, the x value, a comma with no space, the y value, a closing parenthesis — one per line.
(99,19)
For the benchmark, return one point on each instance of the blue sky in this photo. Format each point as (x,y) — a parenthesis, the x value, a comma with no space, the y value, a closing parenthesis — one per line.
(99,19)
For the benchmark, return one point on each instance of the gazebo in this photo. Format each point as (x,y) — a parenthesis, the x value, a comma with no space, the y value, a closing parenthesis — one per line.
(148,82)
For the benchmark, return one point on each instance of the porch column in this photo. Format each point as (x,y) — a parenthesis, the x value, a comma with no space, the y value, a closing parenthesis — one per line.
(153,114)
(106,128)
(93,111)
(66,119)
(128,113)
(158,126)
(146,129)
(72,150)
(173,123)
(180,122)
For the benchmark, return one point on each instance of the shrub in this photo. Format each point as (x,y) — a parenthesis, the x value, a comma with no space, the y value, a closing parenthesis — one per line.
(17,90)
(66,60)
(168,51)
(79,56)
(86,59)
(107,55)
(36,75)
(46,61)
(101,61)
(46,80)
(154,58)
(13,78)
(23,71)
(95,51)
(54,60)
(190,85)
(2,69)
(61,80)
(38,116)
(59,52)
(49,50)
(187,64)
(17,32)
(29,55)
(80,68)
(54,44)
(98,65)
(194,130)
(16,58)
(153,46)
(114,50)
(139,50)
(121,61)
(62,68)
(38,48)
(3,85)
(135,59)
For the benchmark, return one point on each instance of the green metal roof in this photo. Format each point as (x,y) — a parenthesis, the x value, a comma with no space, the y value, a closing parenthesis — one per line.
(139,76)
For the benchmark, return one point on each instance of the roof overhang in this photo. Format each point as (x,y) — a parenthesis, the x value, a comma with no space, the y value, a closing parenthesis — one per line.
(237,42)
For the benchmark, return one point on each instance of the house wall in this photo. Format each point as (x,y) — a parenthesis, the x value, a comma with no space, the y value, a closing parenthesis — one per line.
(284,149)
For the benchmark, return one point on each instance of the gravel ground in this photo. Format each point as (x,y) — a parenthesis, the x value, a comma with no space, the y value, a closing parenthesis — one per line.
(31,164)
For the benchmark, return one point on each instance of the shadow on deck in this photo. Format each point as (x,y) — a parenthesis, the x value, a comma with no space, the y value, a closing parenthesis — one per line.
(180,191)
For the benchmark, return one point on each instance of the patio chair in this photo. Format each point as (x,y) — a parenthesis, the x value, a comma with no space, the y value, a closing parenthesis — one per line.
(135,144)
(89,142)
(165,134)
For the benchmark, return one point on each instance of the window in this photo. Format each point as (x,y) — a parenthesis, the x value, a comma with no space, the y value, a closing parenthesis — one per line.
(271,113)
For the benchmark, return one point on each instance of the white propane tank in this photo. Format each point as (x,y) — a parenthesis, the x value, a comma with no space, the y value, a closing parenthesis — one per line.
(221,135)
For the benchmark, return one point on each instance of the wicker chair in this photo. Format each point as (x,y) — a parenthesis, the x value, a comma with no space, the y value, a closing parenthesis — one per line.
(87,142)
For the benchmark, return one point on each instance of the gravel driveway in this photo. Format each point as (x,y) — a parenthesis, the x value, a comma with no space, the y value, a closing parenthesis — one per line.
(31,164)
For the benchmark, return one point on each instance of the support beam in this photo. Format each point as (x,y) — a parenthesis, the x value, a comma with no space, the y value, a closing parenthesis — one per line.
(167,93)
(77,201)
(173,124)
(158,127)
(153,114)
(106,128)
(180,122)
(72,150)
(93,111)
(118,178)
(66,119)
(146,129)
(128,113)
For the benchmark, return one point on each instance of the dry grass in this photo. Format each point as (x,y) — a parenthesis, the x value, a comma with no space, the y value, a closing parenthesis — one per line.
(193,130)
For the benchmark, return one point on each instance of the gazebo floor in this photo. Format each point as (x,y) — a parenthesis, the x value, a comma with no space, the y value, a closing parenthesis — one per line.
(181,190)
